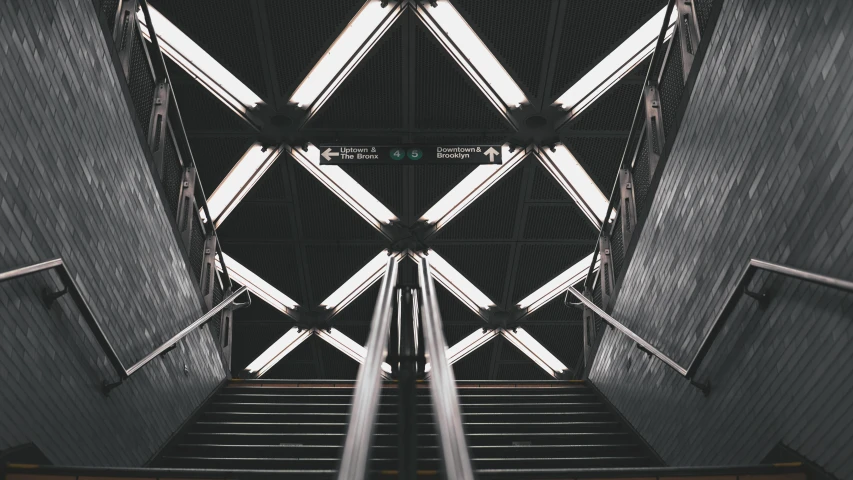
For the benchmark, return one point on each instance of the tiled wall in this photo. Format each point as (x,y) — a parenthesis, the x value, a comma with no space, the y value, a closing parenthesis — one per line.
(761,168)
(74,183)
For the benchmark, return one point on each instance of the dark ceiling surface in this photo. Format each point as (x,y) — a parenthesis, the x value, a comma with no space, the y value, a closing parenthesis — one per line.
(297,235)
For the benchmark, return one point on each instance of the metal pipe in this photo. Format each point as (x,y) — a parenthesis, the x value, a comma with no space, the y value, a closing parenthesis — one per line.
(717,325)
(407,409)
(365,401)
(456,460)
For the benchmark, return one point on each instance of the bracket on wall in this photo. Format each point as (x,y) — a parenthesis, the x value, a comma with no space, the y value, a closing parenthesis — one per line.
(158,124)
(124,30)
(607,279)
(208,268)
(654,126)
(688,30)
(186,204)
(627,205)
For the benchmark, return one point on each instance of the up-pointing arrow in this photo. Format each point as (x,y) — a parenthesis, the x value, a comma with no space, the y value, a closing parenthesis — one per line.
(328,154)
(491,152)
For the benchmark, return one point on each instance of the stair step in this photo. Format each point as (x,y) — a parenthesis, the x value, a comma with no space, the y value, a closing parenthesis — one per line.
(269,407)
(491,397)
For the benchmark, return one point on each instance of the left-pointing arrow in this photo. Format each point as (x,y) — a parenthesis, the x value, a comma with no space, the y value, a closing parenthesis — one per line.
(328,154)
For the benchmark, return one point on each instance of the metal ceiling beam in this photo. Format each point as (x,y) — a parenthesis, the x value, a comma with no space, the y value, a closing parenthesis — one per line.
(349,49)
(200,65)
(360,282)
(612,68)
(264,38)
(463,45)
(260,287)
(555,287)
(534,350)
(275,352)
(349,347)
(554,34)
(569,173)
(467,345)
(528,174)
(456,283)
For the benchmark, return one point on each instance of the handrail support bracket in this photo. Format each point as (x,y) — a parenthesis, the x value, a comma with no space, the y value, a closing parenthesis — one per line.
(49,296)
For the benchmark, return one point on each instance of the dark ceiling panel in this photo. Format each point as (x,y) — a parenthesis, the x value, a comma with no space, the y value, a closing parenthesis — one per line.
(454,311)
(483,264)
(372,96)
(215,157)
(272,185)
(301,32)
(388,183)
(252,221)
(336,364)
(476,365)
(564,341)
(259,311)
(251,339)
(522,371)
(445,98)
(558,222)
(600,157)
(545,188)
(434,181)
(200,110)
(591,30)
(354,320)
(555,311)
(225,30)
(515,32)
(453,333)
(276,264)
(298,364)
(537,264)
(612,111)
(325,216)
(329,266)
(492,216)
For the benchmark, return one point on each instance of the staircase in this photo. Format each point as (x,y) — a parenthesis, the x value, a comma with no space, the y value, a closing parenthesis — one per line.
(511,428)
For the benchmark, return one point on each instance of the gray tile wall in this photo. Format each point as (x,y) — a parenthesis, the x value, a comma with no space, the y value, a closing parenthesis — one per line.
(74,183)
(762,168)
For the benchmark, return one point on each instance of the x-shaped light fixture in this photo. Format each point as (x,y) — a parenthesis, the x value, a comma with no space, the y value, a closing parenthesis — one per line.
(470,53)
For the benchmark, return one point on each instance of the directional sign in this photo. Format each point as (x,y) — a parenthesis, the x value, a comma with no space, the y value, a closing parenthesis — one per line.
(410,155)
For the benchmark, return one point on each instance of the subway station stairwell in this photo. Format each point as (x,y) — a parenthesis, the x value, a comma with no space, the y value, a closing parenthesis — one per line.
(554,395)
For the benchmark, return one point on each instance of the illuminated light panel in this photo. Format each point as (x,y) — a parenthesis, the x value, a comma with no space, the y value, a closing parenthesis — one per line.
(466,47)
(248,170)
(468,344)
(258,286)
(278,350)
(544,294)
(362,33)
(198,64)
(616,65)
(471,187)
(349,347)
(564,167)
(342,185)
(535,351)
(455,282)
(358,283)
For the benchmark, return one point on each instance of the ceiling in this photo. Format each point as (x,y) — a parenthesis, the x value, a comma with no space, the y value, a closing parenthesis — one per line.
(301,238)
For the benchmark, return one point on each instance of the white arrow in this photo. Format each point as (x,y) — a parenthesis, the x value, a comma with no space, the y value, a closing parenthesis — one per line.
(491,152)
(328,154)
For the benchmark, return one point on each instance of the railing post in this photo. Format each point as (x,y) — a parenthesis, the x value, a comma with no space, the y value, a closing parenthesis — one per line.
(123,32)
(588,333)
(688,30)
(407,430)
(455,458)
(186,205)
(158,123)
(208,268)
(225,324)
(627,206)
(365,400)
(654,126)
(606,270)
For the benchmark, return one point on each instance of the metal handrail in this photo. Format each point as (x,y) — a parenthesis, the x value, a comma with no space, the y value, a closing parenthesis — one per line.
(740,289)
(611,205)
(365,400)
(456,459)
(70,287)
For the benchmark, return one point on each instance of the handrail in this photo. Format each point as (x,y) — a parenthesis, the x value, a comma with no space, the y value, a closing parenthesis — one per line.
(70,286)
(365,400)
(611,205)
(456,459)
(740,289)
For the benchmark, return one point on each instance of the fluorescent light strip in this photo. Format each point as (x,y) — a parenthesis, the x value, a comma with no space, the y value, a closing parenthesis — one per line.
(199,65)
(544,294)
(466,346)
(358,283)
(616,65)
(349,347)
(535,351)
(258,286)
(248,170)
(470,52)
(342,185)
(278,350)
(455,282)
(362,33)
(565,168)
(471,187)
